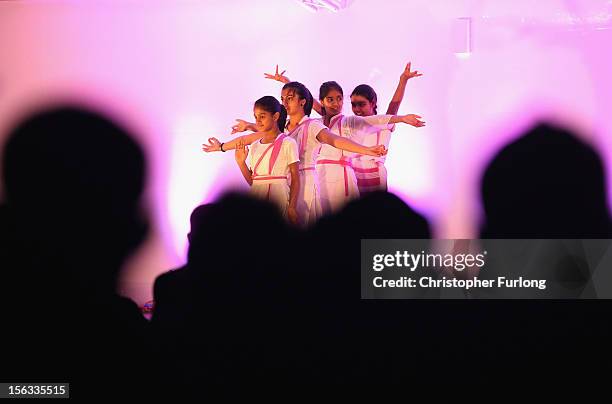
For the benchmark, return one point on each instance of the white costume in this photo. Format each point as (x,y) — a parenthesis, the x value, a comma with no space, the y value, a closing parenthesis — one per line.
(337,180)
(270,170)
(305,135)
(370,170)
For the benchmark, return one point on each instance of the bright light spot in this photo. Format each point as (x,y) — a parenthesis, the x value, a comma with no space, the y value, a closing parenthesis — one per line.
(463,55)
(409,165)
(193,174)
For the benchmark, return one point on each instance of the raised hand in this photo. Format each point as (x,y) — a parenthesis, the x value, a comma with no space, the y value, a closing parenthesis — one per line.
(277,76)
(213,145)
(413,120)
(407,74)
(241,126)
(242,151)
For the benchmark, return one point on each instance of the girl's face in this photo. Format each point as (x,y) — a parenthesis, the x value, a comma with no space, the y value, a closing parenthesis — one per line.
(361,106)
(264,120)
(332,102)
(291,101)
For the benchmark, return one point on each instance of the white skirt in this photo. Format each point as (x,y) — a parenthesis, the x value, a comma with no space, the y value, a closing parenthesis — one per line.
(273,190)
(338,186)
(309,204)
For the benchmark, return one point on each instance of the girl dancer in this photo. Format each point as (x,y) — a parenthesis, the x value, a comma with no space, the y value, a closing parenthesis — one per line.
(371,172)
(394,104)
(309,134)
(272,158)
(339,184)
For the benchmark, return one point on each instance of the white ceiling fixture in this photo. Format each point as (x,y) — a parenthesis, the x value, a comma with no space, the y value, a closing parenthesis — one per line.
(331,5)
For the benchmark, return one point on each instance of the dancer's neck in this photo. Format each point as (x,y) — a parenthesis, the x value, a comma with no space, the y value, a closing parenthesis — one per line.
(294,120)
(270,136)
(327,119)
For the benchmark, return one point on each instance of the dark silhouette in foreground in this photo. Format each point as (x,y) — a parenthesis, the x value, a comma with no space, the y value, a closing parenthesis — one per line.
(73,181)
(260,306)
(548,184)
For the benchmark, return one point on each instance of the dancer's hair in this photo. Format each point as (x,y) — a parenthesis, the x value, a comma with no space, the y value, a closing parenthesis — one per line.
(303,94)
(271,105)
(368,93)
(325,89)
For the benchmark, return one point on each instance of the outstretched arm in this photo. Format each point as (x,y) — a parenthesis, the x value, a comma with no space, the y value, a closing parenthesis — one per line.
(214,144)
(316,105)
(339,142)
(241,154)
(410,119)
(362,125)
(398,96)
(242,126)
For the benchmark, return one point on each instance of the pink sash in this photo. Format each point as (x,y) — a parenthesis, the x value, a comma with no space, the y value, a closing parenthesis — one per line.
(302,148)
(344,164)
(368,182)
(366,170)
(259,161)
(276,148)
(338,119)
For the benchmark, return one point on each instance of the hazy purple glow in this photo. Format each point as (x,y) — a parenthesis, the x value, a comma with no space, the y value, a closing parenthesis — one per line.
(180,73)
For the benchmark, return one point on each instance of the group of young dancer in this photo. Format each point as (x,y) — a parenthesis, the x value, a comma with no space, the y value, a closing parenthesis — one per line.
(308,166)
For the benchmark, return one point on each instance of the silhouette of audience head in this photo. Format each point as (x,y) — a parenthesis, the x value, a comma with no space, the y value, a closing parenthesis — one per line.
(231,228)
(546,184)
(378,215)
(198,218)
(336,240)
(73,181)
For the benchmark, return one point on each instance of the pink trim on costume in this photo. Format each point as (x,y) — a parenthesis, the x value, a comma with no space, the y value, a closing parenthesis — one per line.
(268,177)
(332,122)
(261,158)
(304,138)
(278,142)
(344,164)
(337,162)
(296,128)
(306,123)
(365,170)
(275,146)
(275,151)
(368,182)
